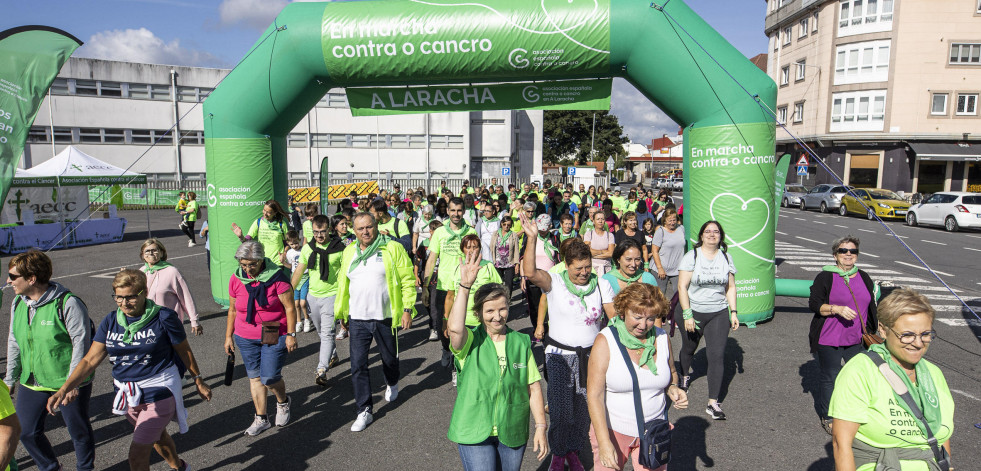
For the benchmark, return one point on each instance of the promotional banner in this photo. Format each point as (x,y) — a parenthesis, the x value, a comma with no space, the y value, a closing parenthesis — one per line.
(779,181)
(379,42)
(308,194)
(30,58)
(741,161)
(46,204)
(138,196)
(566,95)
(17,239)
(336,192)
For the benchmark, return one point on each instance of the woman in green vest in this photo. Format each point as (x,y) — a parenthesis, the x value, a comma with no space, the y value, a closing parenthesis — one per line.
(496,365)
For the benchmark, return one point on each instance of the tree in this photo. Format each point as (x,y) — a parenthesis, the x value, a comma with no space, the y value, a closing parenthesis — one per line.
(567,135)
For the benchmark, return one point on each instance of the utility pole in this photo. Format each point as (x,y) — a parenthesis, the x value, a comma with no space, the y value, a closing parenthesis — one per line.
(592,141)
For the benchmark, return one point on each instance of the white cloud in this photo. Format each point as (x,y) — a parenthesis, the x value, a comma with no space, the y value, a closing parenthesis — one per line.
(141,45)
(256,14)
(641,120)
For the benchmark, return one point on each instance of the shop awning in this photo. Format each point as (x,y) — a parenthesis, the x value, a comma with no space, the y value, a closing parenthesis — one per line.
(946,151)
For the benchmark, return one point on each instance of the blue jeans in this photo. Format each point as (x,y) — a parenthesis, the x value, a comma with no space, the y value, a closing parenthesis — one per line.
(491,455)
(362,332)
(263,361)
(32,412)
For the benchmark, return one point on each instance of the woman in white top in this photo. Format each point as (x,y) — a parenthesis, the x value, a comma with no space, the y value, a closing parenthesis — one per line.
(601,244)
(707,295)
(614,431)
(580,303)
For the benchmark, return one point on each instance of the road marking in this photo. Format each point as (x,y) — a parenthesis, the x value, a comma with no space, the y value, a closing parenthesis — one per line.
(109,276)
(819,263)
(901,278)
(818,222)
(955,308)
(931,288)
(901,237)
(104,270)
(976,250)
(809,240)
(781,233)
(866,230)
(976,237)
(918,267)
(882,272)
(932,242)
(960,322)
(843,227)
(870,255)
(800,219)
(962,393)
(950,297)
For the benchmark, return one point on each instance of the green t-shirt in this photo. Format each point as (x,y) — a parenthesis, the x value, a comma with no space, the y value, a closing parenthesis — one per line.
(307,231)
(272,236)
(449,255)
(389,226)
(618,204)
(576,199)
(862,396)
(319,288)
(628,206)
(192,211)
(486,274)
(7,408)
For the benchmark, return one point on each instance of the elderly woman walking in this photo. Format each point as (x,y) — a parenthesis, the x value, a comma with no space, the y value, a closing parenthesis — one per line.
(165,284)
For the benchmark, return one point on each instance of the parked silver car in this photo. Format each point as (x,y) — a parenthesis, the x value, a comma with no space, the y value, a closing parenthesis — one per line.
(825,197)
(792,195)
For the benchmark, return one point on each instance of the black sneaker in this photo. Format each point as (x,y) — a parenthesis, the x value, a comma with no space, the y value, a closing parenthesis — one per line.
(684,383)
(715,410)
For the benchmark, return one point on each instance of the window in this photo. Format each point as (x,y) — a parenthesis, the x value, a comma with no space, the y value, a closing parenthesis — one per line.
(939,104)
(486,121)
(801,67)
(59,86)
(38,135)
(799,112)
(192,138)
(359,140)
(858,111)
(967,104)
(782,114)
(862,62)
(965,53)
(785,75)
(337,140)
(188,94)
(334,100)
(149,92)
(417,141)
(802,28)
(787,32)
(296,140)
(141,136)
(815,22)
(114,89)
(90,135)
(864,16)
(86,87)
(114,136)
(978,10)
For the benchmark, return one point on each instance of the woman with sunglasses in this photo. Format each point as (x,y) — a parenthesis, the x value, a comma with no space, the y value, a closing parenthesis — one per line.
(147,374)
(50,331)
(874,428)
(843,301)
(165,284)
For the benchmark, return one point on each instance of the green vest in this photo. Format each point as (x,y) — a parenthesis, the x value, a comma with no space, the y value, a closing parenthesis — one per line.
(45,346)
(480,405)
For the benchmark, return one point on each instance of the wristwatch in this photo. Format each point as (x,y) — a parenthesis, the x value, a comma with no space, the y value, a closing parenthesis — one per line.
(291,334)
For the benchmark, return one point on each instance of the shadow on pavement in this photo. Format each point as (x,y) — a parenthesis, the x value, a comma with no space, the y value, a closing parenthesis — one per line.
(810,381)
(824,464)
(688,444)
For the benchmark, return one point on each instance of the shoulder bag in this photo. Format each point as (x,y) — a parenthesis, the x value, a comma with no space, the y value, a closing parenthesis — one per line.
(655,436)
(899,387)
(868,338)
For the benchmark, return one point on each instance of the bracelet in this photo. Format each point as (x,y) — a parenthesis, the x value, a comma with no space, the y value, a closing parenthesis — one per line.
(465,286)
(686,314)
(194,378)
(541,425)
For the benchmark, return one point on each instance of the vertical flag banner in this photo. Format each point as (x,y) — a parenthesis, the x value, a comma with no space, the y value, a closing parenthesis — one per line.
(30,58)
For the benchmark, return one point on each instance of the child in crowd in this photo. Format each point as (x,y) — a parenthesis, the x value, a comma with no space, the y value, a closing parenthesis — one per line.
(180,208)
(303,322)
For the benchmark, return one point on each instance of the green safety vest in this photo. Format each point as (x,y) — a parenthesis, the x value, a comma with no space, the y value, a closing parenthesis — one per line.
(45,346)
(486,397)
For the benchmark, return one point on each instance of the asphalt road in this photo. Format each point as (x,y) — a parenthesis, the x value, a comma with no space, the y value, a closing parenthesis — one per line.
(770,376)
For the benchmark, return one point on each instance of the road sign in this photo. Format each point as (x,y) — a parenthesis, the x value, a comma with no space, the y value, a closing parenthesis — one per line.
(572,171)
(802,170)
(505,171)
(802,162)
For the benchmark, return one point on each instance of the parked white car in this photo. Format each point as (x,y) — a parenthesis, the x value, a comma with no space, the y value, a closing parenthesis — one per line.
(950,209)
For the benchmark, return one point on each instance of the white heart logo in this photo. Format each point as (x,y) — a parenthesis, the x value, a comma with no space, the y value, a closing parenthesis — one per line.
(745,204)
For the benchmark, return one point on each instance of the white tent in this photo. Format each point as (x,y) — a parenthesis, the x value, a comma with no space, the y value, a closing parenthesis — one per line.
(74,167)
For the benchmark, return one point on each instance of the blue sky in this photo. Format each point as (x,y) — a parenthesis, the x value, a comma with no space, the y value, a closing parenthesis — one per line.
(213,33)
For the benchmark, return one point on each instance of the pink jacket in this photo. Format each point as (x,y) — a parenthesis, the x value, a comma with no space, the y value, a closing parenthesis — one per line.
(168,288)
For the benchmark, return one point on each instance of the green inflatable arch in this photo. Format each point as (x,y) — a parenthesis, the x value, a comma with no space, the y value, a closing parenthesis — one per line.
(666,51)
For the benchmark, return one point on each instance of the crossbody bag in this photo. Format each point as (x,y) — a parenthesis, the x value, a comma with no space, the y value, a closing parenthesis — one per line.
(868,338)
(655,436)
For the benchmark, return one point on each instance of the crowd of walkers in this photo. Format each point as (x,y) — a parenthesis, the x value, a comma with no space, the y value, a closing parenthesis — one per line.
(605,276)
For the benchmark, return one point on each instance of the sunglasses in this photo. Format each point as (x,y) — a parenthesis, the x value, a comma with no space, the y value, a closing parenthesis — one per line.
(13,276)
(843,251)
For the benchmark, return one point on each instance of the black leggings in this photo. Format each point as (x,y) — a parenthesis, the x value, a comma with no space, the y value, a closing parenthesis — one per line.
(714,326)
(507,277)
(188,230)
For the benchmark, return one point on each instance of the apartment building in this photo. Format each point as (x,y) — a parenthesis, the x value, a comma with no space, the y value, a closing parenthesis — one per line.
(149,116)
(884,91)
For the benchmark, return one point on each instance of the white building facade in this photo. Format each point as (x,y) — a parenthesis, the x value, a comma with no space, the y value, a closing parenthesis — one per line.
(127,114)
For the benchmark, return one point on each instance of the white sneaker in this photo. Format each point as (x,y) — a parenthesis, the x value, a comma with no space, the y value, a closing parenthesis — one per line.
(299,326)
(283,412)
(307,326)
(391,392)
(191,243)
(258,426)
(433,335)
(454,377)
(364,419)
(341,334)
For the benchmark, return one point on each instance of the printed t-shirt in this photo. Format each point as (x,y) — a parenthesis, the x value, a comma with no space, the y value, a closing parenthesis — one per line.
(486,274)
(391,227)
(863,396)
(272,236)
(449,254)
(319,288)
(293,259)
(422,228)
(192,211)
(150,352)
(707,291)
(271,312)
(569,323)
(672,248)
(368,288)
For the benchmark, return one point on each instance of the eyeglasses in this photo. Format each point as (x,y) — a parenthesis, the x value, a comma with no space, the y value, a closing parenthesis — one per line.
(843,251)
(126,299)
(909,337)
(320,232)
(248,265)
(13,276)
(711,232)
(151,252)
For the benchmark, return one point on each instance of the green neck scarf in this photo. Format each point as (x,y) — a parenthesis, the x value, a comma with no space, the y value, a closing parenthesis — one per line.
(924,393)
(503,236)
(269,269)
(563,237)
(576,290)
(846,275)
(464,227)
(151,269)
(626,279)
(490,220)
(550,249)
(150,312)
(649,345)
(363,256)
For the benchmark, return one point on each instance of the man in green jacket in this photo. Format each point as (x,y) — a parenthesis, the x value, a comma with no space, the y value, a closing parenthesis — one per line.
(376,294)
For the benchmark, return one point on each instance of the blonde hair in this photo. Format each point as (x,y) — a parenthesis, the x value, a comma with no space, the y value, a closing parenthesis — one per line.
(160,247)
(129,278)
(903,302)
